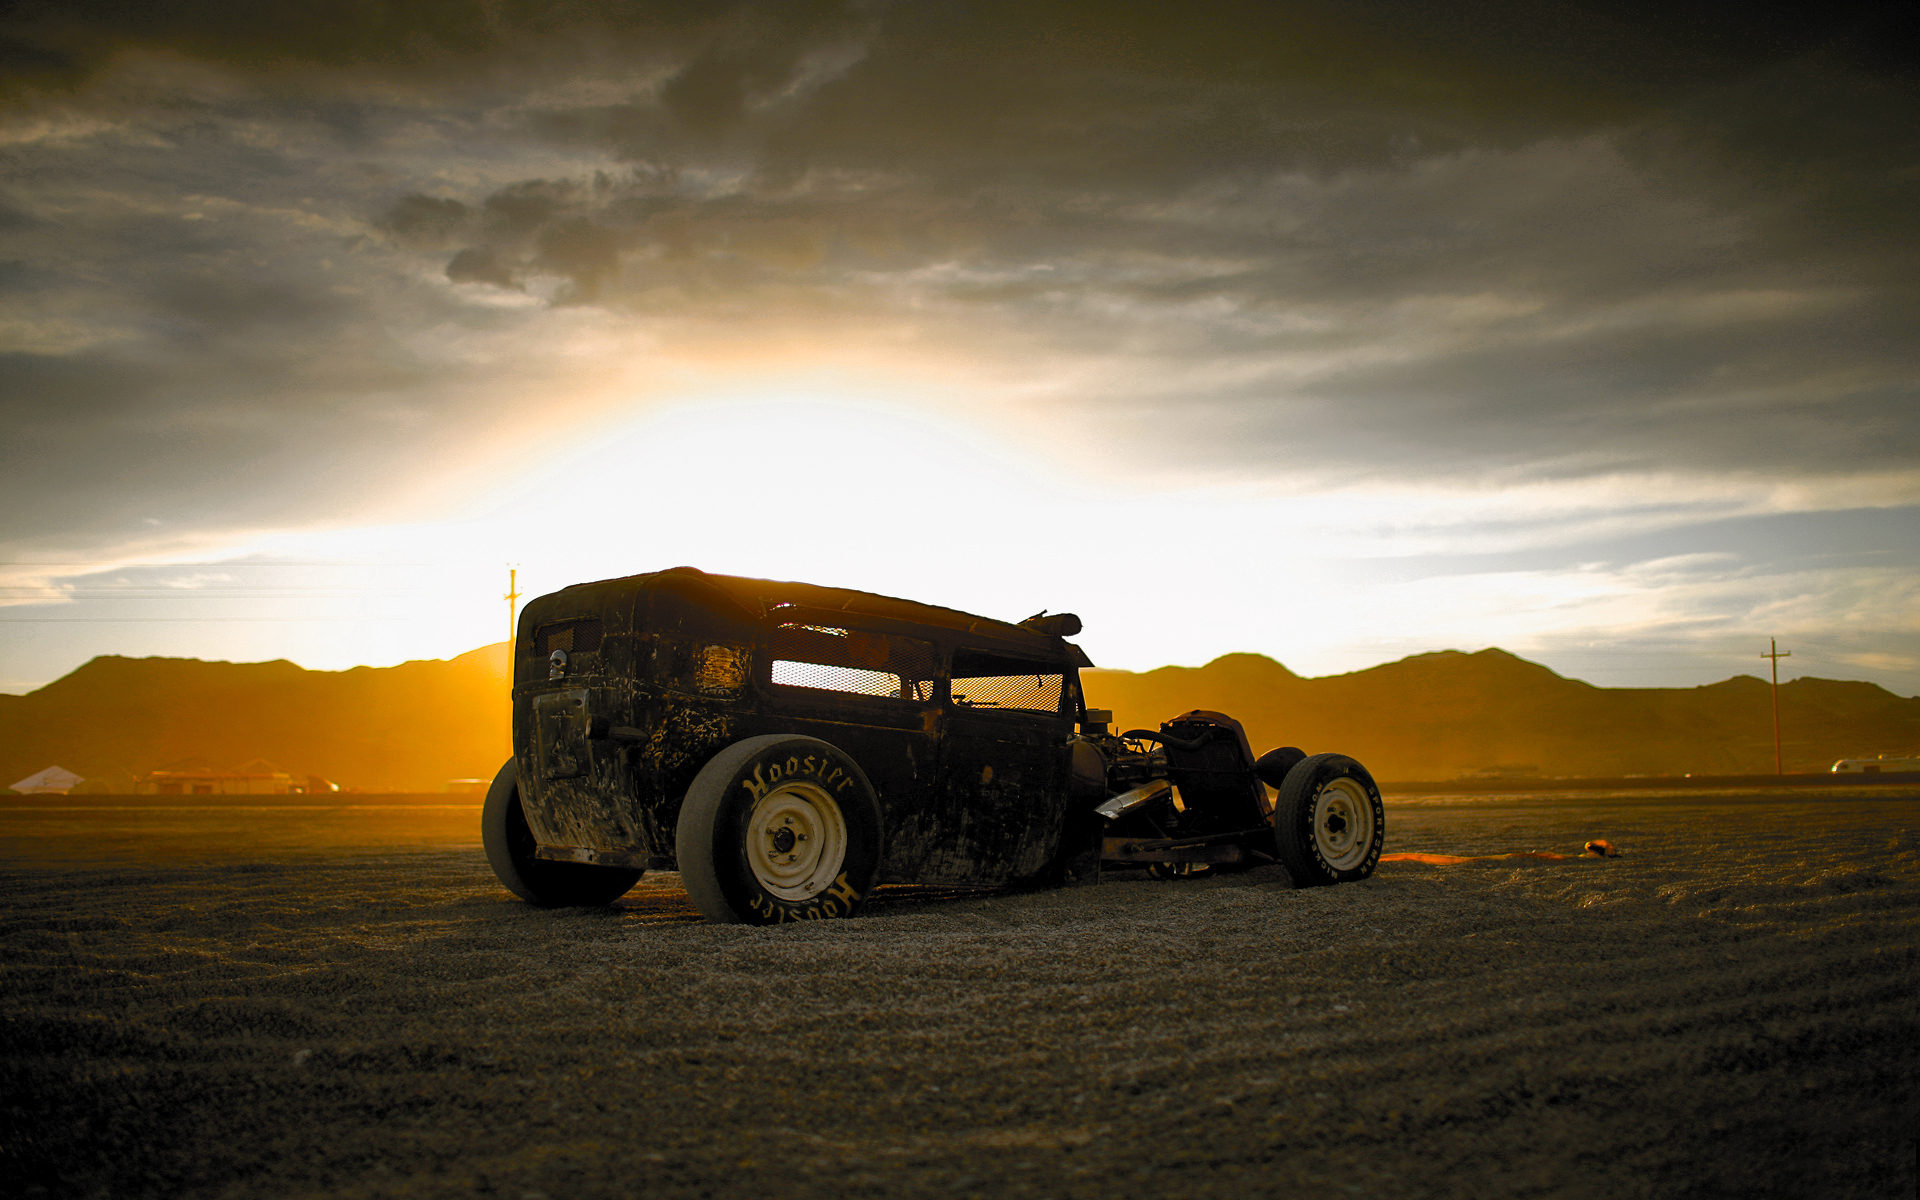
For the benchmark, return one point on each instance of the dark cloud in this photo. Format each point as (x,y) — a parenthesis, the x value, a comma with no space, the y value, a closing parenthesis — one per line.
(584,252)
(1764,393)
(1855,538)
(217,434)
(1547,237)
(476,264)
(64,43)
(43,389)
(243,307)
(520,210)
(212,373)
(425,220)
(57,41)
(1132,95)
(709,95)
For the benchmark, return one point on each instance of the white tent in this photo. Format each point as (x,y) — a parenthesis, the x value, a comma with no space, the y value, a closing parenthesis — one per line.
(54,779)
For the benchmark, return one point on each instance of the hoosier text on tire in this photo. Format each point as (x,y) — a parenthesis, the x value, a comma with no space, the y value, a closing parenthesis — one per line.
(779,828)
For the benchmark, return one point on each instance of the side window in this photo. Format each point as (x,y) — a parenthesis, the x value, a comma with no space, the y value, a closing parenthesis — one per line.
(853,661)
(985,680)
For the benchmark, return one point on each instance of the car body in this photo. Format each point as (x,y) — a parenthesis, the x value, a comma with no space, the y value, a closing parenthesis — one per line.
(739,729)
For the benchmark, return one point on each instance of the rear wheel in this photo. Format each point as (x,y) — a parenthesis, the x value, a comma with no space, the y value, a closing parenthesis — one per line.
(779,829)
(1328,821)
(510,845)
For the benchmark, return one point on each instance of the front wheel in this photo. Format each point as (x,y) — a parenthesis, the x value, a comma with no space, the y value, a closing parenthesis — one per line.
(510,846)
(1328,821)
(778,829)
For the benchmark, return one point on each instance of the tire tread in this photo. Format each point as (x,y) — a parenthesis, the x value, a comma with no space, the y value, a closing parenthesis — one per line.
(1293,816)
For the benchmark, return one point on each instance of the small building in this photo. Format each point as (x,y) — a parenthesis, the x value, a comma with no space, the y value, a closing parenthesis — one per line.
(257,778)
(1526,771)
(1885,764)
(54,781)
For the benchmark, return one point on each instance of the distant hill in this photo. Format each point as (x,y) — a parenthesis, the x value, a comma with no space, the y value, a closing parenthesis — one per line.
(405,728)
(1434,716)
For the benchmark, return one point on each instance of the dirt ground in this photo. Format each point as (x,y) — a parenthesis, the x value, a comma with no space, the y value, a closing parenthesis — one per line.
(287,1003)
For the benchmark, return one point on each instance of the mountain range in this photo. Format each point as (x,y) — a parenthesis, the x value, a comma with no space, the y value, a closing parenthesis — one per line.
(1442,715)
(407,728)
(415,726)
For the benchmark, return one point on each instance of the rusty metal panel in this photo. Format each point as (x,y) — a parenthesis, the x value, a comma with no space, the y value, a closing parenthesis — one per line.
(561,722)
(603,858)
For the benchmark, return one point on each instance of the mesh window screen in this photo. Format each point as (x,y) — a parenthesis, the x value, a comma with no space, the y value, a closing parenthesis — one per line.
(1037,693)
(575,637)
(853,661)
(835,679)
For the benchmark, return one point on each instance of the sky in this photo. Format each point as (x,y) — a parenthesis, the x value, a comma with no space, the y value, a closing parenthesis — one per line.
(1332,332)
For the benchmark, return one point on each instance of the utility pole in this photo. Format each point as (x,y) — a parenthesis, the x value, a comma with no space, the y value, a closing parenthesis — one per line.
(513,596)
(1775,653)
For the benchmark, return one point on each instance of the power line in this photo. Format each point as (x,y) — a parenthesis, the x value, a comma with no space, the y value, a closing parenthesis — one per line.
(1775,653)
(512,598)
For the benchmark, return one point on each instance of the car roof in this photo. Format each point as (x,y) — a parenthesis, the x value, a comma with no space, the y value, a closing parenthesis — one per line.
(761,596)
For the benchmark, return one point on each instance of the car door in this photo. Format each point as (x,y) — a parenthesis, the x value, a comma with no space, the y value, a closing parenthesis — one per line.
(869,690)
(1003,767)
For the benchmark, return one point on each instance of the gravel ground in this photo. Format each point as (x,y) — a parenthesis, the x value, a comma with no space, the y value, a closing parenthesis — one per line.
(250,1003)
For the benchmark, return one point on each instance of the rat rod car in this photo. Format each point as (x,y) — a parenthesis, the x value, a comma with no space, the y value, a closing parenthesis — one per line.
(788,747)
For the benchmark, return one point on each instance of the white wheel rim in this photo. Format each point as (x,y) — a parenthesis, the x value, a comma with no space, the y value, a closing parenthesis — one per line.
(1343,824)
(796,841)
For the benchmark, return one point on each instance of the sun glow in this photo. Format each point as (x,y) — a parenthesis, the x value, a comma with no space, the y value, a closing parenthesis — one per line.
(849,491)
(914,492)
